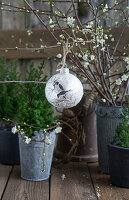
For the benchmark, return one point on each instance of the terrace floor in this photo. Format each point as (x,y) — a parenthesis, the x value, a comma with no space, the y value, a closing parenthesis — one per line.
(83,182)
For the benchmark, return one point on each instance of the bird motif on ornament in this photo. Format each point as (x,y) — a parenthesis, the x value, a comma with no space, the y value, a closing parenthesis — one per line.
(57,83)
(62,92)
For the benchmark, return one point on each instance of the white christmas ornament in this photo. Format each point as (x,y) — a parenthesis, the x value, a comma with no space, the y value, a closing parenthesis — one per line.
(64,90)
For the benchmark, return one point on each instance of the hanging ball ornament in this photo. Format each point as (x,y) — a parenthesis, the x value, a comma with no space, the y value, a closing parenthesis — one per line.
(64,90)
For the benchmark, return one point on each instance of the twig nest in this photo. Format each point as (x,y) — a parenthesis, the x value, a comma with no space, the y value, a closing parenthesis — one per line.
(64,90)
(68,113)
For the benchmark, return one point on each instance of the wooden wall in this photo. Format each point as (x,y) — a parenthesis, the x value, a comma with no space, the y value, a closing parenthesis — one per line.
(20,21)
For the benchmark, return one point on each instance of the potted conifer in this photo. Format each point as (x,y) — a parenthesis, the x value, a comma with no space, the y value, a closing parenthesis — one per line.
(37,128)
(119,152)
(9,104)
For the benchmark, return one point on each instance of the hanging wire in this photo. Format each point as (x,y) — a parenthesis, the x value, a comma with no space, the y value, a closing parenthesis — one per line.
(40,82)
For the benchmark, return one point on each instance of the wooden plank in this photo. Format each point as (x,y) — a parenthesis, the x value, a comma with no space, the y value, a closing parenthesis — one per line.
(13,20)
(0,15)
(103,187)
(115,16)
(4,175)
(66,8)
(25,64)
(20,39)
(19,189)
(31,20)
(76,186)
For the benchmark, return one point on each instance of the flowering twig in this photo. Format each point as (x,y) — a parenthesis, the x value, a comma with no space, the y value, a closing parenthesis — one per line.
(95,61)
(41,20)
(118,41)
(124,93)
(30,126)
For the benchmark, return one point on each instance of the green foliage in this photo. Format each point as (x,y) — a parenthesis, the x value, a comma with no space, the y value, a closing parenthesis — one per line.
(9,92)
(35,110)
(24,104)
(122,130)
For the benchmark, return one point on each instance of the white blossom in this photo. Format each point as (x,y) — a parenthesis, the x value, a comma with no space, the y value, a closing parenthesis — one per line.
(85,57)
(112,40)
(21,131)
(105,9)
(98,194)
(124,77)
(59,55)
(92,57)
(62,36)
(80,39)
(126,60)
(114,96)
(63,176)
(51,23)
(118,81)
(94,47)
(127,67)
(102,41)
(70,21)
(103,49)
(98,84)
(27,140)
(79,55)
(86,64)
(105,36)
(90,24)
(14,129)
(58,129)
(104,100)
(29,32)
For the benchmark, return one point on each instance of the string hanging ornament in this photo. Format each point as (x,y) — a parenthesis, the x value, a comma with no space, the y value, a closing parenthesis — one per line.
(64,90)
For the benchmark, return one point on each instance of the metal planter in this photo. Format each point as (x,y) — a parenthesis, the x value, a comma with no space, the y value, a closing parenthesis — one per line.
(107,121)
(31,158)
(9,148)
(119,165)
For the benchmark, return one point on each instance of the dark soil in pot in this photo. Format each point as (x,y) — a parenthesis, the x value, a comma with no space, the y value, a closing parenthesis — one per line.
(119,165)
(9,148)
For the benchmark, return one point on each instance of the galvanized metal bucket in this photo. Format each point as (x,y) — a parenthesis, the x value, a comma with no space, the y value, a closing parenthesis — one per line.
(32,159)
(107,121)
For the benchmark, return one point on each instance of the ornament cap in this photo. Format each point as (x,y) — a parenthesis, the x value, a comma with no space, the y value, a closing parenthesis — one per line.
(64,70)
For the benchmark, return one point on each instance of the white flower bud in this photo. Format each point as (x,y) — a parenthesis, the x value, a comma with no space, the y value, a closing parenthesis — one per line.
(59,55)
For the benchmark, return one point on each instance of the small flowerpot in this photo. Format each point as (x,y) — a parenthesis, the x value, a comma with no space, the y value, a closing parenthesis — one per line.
(87,148)
(36,158)
(119,165)
(87,145)
(107,121)
(9,148)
